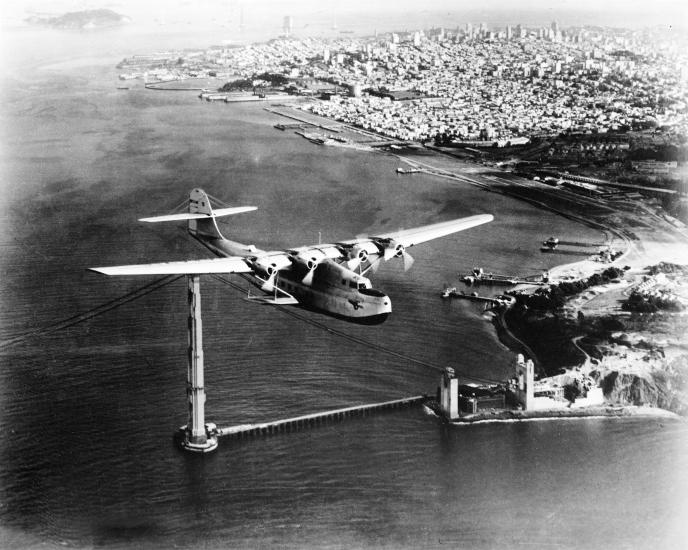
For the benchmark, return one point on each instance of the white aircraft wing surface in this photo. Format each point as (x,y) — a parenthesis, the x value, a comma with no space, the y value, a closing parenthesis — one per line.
(409,237)
(233,264)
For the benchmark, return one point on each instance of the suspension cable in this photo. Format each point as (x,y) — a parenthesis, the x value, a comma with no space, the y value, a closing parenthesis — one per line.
(91,313)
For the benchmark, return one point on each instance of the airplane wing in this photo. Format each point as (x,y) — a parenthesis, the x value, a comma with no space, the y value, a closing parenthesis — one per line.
(232,264)
(354,251)
(394,244)
(410,237)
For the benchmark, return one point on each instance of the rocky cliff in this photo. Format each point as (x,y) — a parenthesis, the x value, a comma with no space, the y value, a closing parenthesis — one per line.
(666,388)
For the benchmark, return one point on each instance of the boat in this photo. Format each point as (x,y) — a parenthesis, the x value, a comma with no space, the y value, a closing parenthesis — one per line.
(449,292)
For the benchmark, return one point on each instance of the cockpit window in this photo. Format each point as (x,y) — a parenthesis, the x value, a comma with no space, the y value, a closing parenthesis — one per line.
(352,284)
(361,286)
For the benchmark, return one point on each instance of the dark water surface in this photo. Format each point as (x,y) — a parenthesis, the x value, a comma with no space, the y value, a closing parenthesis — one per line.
(88,412)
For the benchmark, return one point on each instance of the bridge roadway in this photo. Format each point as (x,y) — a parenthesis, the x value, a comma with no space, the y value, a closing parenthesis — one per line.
(298,422)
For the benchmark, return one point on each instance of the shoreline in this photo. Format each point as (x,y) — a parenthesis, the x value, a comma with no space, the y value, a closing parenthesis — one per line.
(601,411)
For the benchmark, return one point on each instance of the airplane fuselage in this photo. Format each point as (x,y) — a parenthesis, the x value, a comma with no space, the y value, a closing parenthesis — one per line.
(332,287)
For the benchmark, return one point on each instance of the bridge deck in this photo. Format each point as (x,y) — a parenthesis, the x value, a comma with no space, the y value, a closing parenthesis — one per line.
(288,424)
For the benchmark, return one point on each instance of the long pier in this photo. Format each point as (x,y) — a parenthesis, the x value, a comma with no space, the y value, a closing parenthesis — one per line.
(314,419)
(295,126)
(504,280)
(336,128)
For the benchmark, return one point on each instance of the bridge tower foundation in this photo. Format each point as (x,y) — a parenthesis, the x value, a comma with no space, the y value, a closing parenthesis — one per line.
(196,435)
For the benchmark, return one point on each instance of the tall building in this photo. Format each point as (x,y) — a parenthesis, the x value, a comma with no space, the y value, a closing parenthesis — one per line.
(287,25)
(509,32)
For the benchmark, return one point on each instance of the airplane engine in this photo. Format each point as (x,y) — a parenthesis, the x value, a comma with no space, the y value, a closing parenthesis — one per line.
(395,249)
(360,253)
(311,264)
(310,259)
(269,267)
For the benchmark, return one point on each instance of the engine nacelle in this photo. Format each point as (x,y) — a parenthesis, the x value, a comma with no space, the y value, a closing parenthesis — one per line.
(394,249)
(398,250)
(310,259)
(362,250)
(269,264)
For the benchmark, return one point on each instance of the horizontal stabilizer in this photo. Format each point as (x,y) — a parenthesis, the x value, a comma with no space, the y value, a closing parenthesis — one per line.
(191,267)
(199,216)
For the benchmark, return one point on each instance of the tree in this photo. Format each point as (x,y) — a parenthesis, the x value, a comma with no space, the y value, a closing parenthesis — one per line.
(571,392)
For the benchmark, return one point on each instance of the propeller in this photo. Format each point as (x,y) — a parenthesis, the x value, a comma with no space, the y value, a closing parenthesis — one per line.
(360,256)
(362,250)
(269,284)
(311,265)
(397,249)
(269,266)
(374,266)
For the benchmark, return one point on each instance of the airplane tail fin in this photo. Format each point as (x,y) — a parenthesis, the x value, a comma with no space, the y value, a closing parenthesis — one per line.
(199,203)
(201,215)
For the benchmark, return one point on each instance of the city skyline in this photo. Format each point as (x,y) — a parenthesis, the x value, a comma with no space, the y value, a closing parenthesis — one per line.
(635,13)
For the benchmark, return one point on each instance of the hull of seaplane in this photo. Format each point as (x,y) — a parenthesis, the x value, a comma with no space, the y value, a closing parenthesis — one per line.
(329,291)
(365,306)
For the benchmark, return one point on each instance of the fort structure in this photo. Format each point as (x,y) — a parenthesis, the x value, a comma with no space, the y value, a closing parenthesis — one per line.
(461,400)
(573,393)
(449,393)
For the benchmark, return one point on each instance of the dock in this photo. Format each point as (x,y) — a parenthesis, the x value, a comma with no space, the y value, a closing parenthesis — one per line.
(496,302)
(330,128)
(295,126)
(315,419)
(245,98)
(479,277)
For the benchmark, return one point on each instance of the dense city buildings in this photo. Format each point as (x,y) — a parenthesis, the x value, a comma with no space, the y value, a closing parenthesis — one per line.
(477,87)
(473,83)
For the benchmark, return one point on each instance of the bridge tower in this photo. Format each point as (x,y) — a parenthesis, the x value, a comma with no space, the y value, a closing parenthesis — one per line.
(196,436)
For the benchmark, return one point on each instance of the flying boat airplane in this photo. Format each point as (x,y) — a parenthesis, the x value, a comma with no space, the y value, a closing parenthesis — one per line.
(330,278)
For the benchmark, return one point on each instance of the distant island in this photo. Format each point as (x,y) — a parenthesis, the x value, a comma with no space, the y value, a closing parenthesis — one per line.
(81,20)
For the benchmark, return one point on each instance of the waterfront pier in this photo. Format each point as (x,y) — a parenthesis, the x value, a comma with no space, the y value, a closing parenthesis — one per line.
(478,276)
